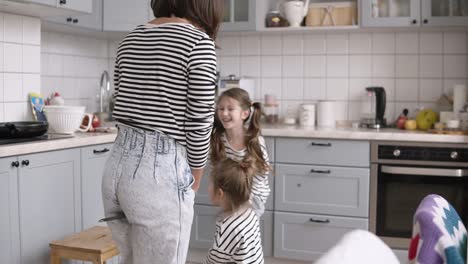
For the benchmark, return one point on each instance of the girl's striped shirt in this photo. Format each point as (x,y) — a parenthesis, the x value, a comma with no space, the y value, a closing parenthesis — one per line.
(237,239)
(164,79)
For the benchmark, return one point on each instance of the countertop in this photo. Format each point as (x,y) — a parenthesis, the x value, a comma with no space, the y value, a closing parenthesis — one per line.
(386,134)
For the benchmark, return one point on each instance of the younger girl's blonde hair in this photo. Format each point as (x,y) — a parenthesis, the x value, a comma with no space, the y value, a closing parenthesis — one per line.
(235,179)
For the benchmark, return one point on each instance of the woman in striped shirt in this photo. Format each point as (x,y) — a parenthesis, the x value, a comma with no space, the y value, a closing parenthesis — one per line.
(165,77)
(237,238)
(236,135)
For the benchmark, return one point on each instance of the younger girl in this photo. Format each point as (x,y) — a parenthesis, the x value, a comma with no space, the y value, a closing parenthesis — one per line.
(237,238)
(236,135)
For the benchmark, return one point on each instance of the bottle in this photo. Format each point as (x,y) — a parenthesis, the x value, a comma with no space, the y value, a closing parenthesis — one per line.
(375,8)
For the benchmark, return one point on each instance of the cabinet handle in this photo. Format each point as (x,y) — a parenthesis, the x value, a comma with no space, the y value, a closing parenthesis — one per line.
(25,162)
(320,171)
(63,2)
(69,19)
(326,221)
(15,164)
(101,151)
(425,21)
(75,20)
(414,21)
(321,144)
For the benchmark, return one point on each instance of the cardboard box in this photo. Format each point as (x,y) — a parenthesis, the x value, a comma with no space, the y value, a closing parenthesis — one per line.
(332,14)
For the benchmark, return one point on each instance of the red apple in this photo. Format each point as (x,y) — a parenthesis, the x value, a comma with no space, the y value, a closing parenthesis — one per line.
(96,122)
(401,122)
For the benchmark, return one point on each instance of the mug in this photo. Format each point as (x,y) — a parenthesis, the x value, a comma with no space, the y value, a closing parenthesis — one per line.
(307,115)
(87,123)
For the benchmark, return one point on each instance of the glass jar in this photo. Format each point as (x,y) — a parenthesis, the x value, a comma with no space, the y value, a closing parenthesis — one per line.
(271,114)
(274,19)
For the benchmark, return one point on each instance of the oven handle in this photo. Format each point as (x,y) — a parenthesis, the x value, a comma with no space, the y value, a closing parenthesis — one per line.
(425,171)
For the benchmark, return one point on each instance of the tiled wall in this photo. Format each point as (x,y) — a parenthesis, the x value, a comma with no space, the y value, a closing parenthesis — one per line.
(20,40)
(415,68)
(72,65)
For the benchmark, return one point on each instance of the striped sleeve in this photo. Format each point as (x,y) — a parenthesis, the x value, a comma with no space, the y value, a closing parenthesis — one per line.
(260,187)
(237,240)
(200,104)
(116,79)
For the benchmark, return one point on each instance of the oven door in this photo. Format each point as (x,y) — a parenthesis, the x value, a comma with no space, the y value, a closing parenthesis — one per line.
(396,192)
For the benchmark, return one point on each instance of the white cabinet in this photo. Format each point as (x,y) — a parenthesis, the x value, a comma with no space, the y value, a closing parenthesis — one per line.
(239,15)
(124,15)
(406,13)
(9,228)
(93,160)
(88,21)
(85,6)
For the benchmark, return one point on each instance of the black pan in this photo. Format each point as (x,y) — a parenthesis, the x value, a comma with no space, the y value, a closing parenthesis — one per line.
(23,129)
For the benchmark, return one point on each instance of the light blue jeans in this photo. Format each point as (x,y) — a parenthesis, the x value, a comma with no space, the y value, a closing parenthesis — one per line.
(148,178)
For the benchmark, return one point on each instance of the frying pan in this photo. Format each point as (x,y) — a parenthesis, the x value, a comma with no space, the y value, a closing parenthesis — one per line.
(23,129)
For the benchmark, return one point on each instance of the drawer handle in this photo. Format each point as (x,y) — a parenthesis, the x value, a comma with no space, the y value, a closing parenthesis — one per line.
(321,144)
(100,151)
(326,221)
(320,171)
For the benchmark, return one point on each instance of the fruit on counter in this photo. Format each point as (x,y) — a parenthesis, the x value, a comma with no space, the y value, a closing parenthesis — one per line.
(411,124)
(400,123)
(96,122)
(56,99)
(426,118)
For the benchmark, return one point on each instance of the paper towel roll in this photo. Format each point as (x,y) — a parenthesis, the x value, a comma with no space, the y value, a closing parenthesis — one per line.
(326,114)
(459,97)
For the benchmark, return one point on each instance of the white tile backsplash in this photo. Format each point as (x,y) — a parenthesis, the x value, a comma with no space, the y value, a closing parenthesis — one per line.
(407,43)
(383,43)
(293,45)
(407,66)
(13,85)
(271,45)
(1,35)
(360,43)
(314,44)
(315,89)
(31,59)
(337,44)
(12,57)
(430,43)
(454,43)
(293,66)
(31,31)
(337,66)
(406,90)
(294,89)
(383,66)
(315,66)
(360,66)
(430,66)
(430,90)
(454,66)
(13,28)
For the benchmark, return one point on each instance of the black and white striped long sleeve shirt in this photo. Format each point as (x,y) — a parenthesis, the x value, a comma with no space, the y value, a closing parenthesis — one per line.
(260,187)
(165,77)
(237,239)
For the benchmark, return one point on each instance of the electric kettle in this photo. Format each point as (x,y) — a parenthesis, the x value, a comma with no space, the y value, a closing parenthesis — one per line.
(373,108)
(294,11)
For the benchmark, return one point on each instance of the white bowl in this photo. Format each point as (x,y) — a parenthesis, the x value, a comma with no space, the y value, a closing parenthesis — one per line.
(64,119)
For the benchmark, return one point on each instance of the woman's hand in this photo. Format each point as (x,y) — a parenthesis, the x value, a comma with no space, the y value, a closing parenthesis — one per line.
(197,175)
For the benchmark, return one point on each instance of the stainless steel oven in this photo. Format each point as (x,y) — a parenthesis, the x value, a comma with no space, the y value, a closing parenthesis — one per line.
(402,174)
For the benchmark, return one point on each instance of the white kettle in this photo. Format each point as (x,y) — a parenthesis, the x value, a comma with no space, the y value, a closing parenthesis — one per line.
(294,11)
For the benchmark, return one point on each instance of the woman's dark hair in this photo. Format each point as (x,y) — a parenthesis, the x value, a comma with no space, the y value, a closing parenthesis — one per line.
(206,14)
(254,150)
(235,179)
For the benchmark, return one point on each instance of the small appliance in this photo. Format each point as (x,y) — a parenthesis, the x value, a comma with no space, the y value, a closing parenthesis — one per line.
(373,108)
(232,81)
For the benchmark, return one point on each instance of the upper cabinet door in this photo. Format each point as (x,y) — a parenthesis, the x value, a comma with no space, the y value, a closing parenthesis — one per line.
(42,2)
(444,12)
(124,15)
(88,21)
(239,15)
(85,6)
(390,13)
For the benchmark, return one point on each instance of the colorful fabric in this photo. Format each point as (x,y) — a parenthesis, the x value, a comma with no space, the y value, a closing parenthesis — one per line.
(439,236)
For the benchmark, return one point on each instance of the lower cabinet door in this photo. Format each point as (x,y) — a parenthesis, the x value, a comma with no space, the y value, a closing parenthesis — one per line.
(307,236)
(204,226)
(93,160)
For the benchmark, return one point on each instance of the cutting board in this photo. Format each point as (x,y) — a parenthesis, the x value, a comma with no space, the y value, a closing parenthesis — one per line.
(448,132)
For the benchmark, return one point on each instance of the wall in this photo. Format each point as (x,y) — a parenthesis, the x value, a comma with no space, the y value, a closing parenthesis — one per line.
(72,65)
(415,68)
(20,40)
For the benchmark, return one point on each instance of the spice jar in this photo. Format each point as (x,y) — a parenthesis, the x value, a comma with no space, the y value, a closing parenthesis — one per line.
(274,19)
(271,113)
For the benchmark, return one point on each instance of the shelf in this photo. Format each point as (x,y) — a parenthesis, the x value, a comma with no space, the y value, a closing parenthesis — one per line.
(297,29)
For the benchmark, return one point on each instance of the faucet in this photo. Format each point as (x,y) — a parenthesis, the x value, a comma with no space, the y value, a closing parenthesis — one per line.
(103,91)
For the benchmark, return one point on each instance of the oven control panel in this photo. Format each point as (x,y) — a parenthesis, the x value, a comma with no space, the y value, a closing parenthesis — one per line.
(391,152)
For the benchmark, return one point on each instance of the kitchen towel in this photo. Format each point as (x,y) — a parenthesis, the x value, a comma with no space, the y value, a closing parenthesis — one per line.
(459,97)
(326,114)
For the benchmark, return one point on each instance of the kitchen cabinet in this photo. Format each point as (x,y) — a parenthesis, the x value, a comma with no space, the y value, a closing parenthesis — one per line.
(88,21)
(239,15)
(413,13)
(124,15)
(321,192)
(84,6)
(49,190)
(9,228)
(93,160)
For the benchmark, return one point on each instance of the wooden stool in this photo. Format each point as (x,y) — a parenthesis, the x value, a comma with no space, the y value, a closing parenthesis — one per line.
(94,244)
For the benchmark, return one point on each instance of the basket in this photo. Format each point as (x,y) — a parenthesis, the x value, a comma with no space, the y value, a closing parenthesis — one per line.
(64,119)
(331,14)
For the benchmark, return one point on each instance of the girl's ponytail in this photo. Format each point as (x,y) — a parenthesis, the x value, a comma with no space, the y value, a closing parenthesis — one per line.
(253,133)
